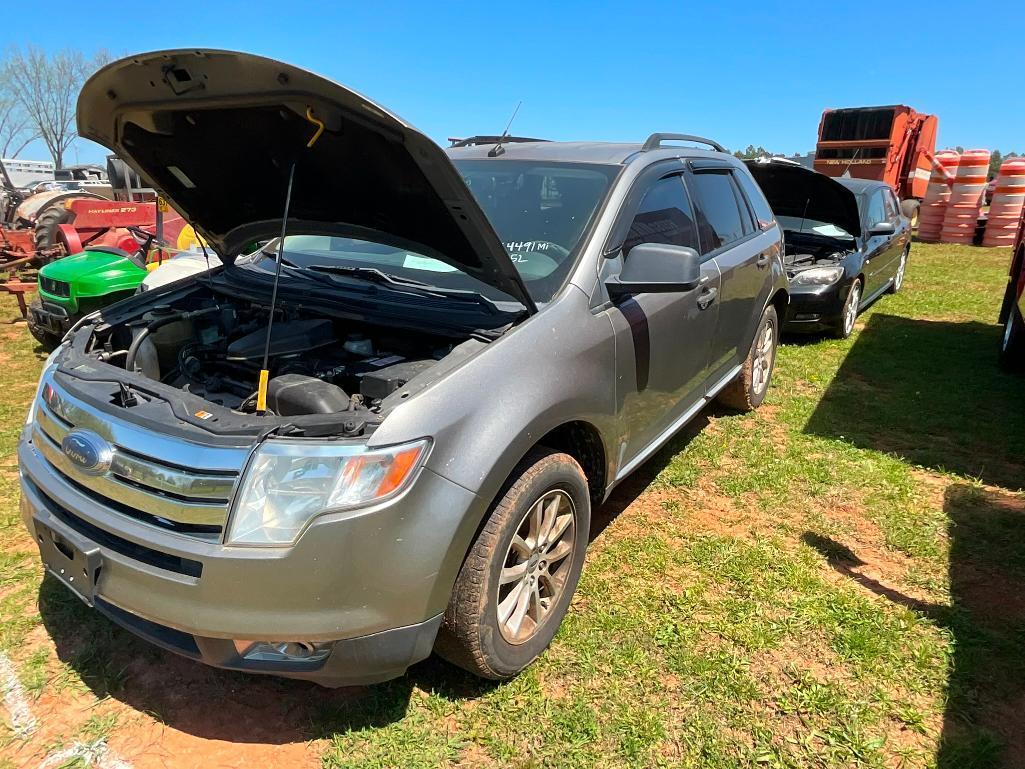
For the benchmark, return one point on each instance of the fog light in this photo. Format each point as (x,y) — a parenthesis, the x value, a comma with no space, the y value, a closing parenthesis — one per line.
(282,651)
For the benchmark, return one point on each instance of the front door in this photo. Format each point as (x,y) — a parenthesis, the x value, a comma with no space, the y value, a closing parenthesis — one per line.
(662,340)
(881,251)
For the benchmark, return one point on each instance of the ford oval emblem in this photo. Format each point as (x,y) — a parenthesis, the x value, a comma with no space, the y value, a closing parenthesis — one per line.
(88,451)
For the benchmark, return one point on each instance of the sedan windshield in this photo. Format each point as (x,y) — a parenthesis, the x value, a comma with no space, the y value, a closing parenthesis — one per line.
(540,212)
(797,224)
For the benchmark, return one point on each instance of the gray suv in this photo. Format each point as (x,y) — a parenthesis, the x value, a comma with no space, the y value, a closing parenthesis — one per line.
(380,427)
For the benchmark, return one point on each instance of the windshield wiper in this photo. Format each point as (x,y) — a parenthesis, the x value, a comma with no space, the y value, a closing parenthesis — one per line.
(374,275)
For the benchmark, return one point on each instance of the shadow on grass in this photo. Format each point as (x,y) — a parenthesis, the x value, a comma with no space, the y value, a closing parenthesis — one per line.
(231,706)
(930,392)
(226,705)
(984,718)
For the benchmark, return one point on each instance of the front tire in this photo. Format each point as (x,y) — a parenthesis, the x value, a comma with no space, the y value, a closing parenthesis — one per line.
(849,314)
(1012,343)
(47,340)
(747,391)
(519,577)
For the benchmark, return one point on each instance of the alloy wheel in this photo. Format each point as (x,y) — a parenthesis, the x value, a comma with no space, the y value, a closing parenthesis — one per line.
(850,313)
(536,566)
(898,279)
(762,364)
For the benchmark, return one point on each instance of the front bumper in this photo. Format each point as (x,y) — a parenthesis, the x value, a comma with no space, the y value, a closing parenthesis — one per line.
(370,584)
(815,308)
(50,317)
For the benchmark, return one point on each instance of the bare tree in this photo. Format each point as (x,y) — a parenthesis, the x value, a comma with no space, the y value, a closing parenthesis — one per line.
(45,87)
(15,128)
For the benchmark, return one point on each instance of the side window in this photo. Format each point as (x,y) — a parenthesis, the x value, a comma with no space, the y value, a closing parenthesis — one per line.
(755,196)
(665,216)
(876,208)
(719,213)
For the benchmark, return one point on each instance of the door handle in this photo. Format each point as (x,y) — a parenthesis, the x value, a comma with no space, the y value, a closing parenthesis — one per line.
(763,259)
(707,297)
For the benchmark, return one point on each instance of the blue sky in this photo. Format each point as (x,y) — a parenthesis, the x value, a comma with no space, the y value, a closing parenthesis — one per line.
(740,72)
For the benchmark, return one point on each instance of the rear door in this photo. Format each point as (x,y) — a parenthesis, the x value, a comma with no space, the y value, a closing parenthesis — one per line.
(880,250)
(662,340)
(742,249)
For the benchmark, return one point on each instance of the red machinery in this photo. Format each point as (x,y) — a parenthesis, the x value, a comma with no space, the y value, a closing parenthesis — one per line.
(48,225)
(893,144)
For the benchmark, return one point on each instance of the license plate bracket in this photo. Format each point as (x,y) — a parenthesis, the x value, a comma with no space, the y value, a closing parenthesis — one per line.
(73,560)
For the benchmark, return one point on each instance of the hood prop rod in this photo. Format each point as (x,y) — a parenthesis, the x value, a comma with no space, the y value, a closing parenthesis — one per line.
(261,388)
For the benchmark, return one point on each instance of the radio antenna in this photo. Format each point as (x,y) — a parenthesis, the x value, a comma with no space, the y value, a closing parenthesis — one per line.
(498,149)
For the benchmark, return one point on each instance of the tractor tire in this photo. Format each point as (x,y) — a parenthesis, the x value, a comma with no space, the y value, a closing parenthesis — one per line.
(910,209)
(47,233)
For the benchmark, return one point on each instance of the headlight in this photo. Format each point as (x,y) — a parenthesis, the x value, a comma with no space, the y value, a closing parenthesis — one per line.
(288,483)
(818,276)
(49,364)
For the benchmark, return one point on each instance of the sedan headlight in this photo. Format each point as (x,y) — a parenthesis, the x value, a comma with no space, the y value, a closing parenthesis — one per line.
(818,276)
(50,363)
(288,483)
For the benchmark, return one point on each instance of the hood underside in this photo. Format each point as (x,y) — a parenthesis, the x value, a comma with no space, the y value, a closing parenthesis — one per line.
(217,133)
(793,190)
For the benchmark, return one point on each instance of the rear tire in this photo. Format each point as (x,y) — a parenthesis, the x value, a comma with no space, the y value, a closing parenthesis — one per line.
(898,277)
(522,566)
(47,340)
(1012,343)
(747,391)
(47,232)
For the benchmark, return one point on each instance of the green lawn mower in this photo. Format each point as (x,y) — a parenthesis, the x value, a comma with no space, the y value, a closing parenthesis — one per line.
(77,285)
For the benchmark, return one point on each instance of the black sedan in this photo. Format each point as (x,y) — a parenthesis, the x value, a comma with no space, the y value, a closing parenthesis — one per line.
(846,243)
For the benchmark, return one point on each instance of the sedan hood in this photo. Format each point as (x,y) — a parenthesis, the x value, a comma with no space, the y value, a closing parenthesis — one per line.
(217,133)
(793,190)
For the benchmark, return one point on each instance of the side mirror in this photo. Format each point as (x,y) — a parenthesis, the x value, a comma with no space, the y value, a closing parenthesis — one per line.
(883,228)
(656,268)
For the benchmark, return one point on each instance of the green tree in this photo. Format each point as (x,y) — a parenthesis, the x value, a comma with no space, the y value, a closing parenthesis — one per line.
(752,152)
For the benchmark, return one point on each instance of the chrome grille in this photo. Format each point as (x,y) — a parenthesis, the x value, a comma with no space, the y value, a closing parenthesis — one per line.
(168,493)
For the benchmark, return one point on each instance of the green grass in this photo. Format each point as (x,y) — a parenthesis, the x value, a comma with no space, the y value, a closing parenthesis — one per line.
(836,580)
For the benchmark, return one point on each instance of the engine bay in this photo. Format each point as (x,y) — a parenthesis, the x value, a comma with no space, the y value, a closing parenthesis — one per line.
(802,251)
(212,347)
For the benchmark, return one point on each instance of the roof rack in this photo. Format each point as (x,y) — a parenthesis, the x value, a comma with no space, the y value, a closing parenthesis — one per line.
(476,141)
(655,141)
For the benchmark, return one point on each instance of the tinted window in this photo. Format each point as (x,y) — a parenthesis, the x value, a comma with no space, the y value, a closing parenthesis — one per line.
(755,196)
(876,208)
(720,216)
(665,216)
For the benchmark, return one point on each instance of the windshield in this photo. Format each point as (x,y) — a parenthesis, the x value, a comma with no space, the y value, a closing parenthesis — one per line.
(797,224)
(539,210)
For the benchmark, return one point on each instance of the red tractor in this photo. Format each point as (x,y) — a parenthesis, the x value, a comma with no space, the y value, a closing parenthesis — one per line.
(38,228)
(893,144)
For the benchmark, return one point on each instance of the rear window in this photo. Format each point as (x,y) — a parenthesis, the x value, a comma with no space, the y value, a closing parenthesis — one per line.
(755,196)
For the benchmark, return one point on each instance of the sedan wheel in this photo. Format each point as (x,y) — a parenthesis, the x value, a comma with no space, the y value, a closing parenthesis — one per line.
(850,311)
(898,278)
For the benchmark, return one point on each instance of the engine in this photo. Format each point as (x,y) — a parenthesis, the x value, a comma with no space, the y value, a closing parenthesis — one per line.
(318,365)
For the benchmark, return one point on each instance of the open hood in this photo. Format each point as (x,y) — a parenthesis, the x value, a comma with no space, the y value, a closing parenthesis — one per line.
(217,133)
(793,190)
